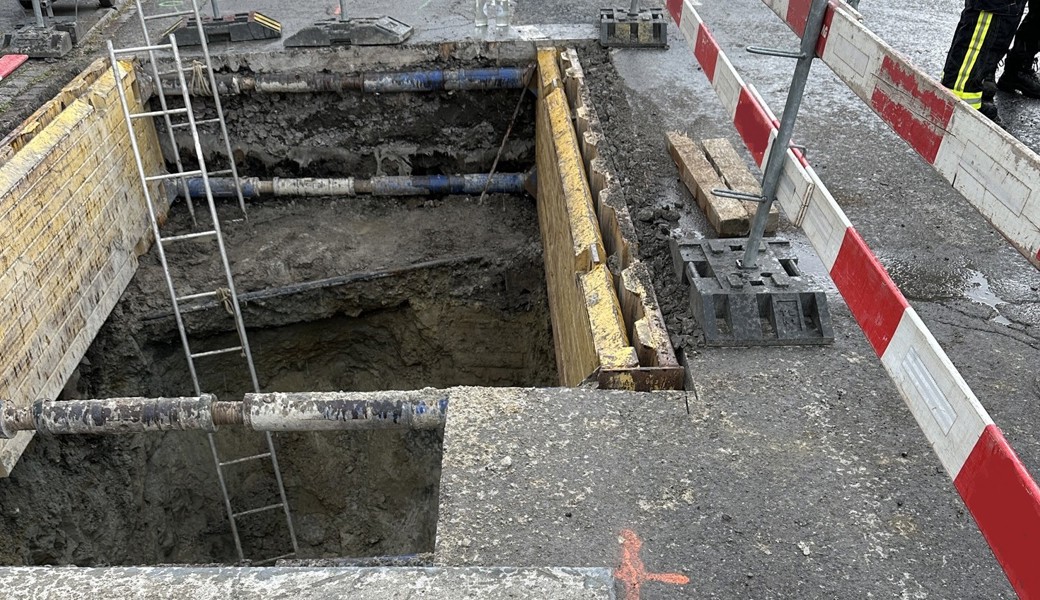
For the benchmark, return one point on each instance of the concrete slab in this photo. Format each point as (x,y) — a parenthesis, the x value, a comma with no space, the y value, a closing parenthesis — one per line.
(666,487)
(364,583)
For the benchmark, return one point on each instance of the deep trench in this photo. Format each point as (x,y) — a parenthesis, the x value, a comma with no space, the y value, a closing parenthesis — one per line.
(430,292)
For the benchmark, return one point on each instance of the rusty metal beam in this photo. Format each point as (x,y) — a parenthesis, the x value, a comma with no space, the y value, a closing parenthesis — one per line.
(301,411)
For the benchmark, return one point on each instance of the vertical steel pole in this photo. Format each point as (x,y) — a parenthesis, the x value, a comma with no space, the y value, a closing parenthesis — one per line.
(775,164)
(342,10)
(38,11)
(216,10)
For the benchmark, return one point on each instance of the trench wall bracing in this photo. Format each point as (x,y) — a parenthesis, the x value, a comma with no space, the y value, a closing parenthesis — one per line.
(74,220)
(607,324)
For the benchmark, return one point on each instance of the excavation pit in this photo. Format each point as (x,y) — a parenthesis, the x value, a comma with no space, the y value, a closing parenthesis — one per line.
(353,293)
(362,290)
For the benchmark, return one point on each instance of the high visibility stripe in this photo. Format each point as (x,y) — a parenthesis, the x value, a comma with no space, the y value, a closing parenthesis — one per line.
(974,49)
(972,98)
(267,21)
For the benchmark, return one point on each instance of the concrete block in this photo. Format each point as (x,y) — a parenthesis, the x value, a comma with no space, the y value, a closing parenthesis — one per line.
(727,216)
(723,156)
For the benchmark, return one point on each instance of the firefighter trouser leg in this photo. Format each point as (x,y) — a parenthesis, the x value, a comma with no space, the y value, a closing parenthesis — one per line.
(982,37)
(1027,40)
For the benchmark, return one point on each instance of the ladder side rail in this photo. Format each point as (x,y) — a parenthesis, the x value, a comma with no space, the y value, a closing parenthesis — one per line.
(208,61)
(239,323)
(216,228)
(153,219)
(152,59)
(281,492)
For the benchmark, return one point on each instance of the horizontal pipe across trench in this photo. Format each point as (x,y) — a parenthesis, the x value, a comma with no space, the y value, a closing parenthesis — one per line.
(501,78)
(410,185)
(302,411)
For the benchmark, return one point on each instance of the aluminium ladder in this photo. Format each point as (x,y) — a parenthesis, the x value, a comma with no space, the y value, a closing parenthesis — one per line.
(191,124)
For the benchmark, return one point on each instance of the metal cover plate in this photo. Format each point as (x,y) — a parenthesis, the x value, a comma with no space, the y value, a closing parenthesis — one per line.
(770,305)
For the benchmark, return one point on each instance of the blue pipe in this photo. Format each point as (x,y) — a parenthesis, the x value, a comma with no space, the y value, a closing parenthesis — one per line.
(413,185)
(223,187)
(501,183)
(504,78)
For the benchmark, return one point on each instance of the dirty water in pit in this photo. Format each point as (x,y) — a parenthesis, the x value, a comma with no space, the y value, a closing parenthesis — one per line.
(426,292)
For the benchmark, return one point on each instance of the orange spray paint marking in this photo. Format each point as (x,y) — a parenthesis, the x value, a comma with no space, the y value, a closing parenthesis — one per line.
(632,571)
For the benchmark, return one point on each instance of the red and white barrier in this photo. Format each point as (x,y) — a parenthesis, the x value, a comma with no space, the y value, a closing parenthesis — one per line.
(996,173)
(10,62)
(993,483)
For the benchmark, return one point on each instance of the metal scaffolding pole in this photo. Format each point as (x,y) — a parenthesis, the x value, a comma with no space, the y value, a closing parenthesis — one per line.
(782,143)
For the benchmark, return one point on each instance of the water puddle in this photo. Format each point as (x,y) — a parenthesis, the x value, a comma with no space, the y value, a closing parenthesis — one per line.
(920,282)
(979,291)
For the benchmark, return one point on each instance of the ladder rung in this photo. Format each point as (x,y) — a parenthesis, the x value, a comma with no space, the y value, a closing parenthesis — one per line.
(173,175)
(189,236)
(221,173)
(199,122)
(245,459)
(159,113)
(216,352)
(196,296)
(169,15)
(137,49)
(253,511)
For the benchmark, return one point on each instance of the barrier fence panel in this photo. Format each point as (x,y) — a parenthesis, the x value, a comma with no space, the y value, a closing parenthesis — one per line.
(995,172)
(995,486)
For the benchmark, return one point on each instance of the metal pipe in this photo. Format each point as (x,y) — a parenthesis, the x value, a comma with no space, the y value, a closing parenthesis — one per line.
(331,411)
(502,78)
(775,164)
(388,82)
(38,12)
(411,185)
(111,416)
(421,185)
(340,410)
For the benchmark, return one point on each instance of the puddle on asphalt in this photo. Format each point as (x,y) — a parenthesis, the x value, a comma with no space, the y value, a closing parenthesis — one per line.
(979,290)
(917,282)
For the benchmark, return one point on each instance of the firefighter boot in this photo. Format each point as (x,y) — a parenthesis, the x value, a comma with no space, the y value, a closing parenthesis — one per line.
(1020,77)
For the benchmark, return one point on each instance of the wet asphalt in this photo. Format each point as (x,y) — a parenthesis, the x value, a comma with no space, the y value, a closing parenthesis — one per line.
(848,474)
